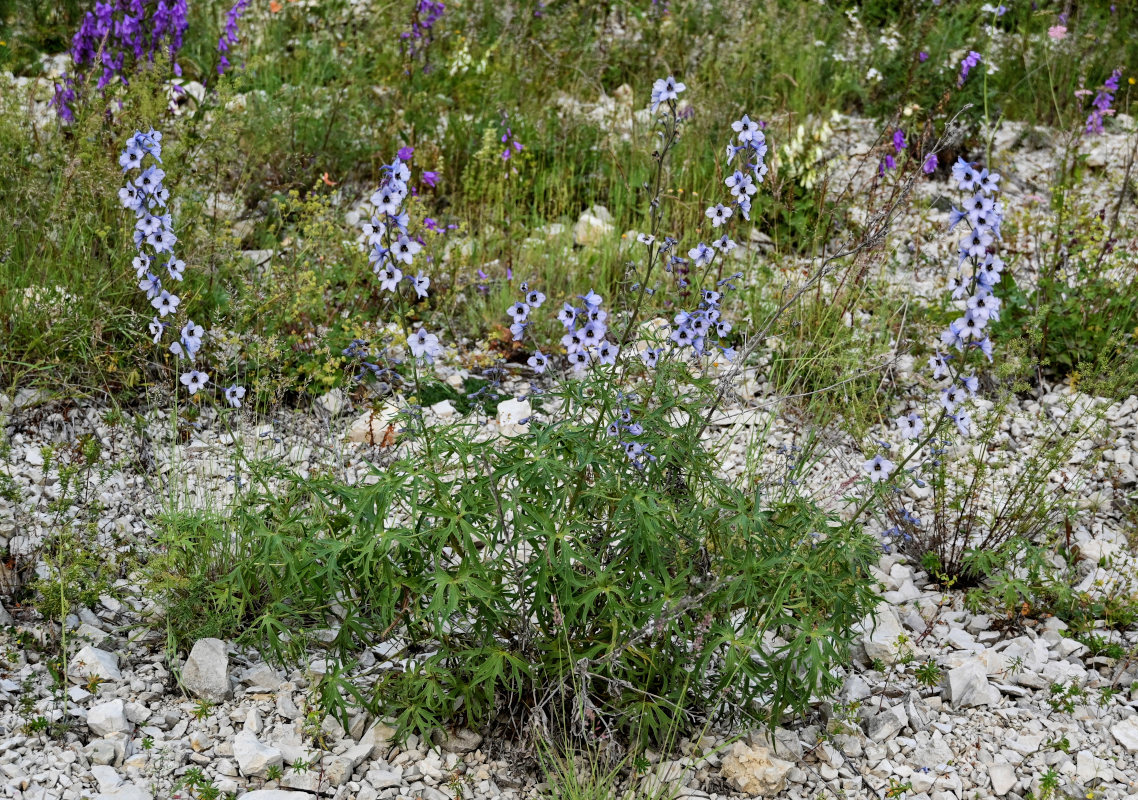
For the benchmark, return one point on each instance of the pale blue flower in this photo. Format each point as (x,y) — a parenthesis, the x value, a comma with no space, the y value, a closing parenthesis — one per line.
(387,201)
(166,303)
(141,264)
(910,425)
(724,244)
(405,249)
(665,90)
(939,365)
(746,129)
(374,230)
(567,315)
(538,361)
(985,304)
(592,300)
(162,241)
(607,353)
(718,214)
(150,179)
(131,198)
(389,278)
(424,345)
(878,468)
(152,285)
(234,394)
(701,255)
(131,157)
(194,381)
(579,359)
(741,183)
(964,175)
(949,397)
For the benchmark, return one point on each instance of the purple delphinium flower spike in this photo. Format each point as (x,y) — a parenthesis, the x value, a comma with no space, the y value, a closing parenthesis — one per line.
(112,38)
(229,34)
(966,65)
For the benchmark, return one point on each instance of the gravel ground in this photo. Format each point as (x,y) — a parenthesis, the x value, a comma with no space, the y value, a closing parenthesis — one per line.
(990,730)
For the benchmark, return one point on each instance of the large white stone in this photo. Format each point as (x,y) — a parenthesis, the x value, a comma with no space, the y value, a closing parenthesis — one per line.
(511,414)
(254,757)
(127,791)
(1126,734)
(754,771)
(593,226)
(91,662)
(968,686)
(380,737)
(1090,769)
(206,674)
(374,427)
(107,718)
(107,778)
(462,740)
(1003,778)
(880,634)
(887,723)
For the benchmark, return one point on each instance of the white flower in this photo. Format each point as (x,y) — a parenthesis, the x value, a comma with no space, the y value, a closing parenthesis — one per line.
(878,468)
(718,214)
(234,395)
(910,425)
(194,380)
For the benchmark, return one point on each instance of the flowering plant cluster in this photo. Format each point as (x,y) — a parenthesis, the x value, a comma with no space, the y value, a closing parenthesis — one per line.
(698,332)
(424,15)
(1101,106)
(154,239)
(512,145)
(115,34)
(229,34)
(392,251)
(639,564)
(979,268)
(967,64)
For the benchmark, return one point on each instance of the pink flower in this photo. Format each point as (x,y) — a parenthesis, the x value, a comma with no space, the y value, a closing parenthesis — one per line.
(1057,32)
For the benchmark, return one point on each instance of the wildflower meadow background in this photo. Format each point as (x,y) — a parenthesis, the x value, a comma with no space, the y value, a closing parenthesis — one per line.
(568,400)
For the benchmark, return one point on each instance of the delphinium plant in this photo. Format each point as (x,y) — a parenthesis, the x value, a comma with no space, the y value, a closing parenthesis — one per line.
(417,41)
(956,495)
(229,35)
(589,569)
(113,38)
(967,347)
(394,251)
(156,266)
(1082,300)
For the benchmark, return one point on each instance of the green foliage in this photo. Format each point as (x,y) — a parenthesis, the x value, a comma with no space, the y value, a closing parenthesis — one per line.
(546,569)
(929,674)
(1065,697)
(307,123)
(1079,311)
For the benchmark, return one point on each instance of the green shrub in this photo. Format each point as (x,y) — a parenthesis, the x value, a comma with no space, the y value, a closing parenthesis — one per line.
(545,571)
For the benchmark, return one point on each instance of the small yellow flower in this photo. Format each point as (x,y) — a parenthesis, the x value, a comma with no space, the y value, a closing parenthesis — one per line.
(1131,81)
